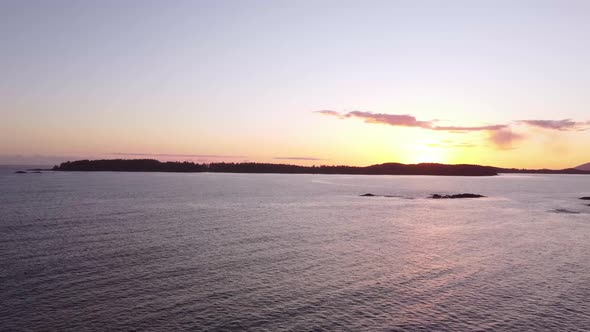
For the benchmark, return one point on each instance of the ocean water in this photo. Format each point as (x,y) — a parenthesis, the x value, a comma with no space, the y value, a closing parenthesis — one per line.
(246,252)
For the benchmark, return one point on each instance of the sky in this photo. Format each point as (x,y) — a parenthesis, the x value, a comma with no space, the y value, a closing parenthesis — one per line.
(502,83)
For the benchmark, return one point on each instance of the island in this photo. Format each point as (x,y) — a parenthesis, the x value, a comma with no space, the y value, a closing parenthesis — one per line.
(152,165)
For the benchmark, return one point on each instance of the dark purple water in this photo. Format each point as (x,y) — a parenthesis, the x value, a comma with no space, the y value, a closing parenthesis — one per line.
(218,252)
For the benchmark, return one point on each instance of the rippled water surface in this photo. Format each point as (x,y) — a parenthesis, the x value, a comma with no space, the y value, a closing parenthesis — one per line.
(171,252)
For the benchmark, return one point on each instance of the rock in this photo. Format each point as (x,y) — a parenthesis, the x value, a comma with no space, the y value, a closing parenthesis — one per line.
(37,172)
(466,195)
(368,195)
(587,198)
(564,211)
(20,172)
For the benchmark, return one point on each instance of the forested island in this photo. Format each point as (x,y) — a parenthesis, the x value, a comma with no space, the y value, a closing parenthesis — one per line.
(151,165)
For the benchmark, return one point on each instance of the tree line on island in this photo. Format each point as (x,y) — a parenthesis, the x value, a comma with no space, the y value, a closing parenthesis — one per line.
(152,165)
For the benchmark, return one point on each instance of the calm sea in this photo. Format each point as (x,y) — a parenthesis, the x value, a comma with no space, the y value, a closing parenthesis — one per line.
(233,252)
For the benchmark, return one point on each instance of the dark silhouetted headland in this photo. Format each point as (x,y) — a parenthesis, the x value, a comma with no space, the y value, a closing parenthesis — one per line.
(151,165)
(542,171)
(130,165)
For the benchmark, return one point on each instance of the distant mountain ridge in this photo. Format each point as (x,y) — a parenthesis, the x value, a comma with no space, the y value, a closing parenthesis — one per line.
(151,165)
(584,167)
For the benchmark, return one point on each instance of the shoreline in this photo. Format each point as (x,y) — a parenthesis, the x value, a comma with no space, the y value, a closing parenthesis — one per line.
(428,169)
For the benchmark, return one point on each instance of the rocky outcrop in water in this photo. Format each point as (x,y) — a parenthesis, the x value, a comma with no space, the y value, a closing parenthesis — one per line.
(20,172)
(433,196)
(587,198)
(564,211)
(466,195)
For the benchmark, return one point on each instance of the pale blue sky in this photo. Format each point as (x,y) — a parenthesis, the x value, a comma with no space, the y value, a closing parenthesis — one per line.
(96,77)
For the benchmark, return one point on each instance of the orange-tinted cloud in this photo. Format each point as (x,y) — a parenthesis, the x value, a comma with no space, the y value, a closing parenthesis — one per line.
(299,158)
(403,120)
(406,120)
(505,138)
(561,125)
(174,155)
(328,112)
(476,128)
(500,135)
(451,144)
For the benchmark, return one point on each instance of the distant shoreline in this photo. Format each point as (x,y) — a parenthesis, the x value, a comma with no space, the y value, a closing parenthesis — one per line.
(151,165)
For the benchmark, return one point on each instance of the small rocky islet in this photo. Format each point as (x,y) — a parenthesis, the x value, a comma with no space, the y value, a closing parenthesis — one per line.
(466,195)
(433,196)
(564,211)
(585,198)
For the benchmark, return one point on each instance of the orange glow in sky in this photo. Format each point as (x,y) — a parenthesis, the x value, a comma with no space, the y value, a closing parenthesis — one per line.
(296,82)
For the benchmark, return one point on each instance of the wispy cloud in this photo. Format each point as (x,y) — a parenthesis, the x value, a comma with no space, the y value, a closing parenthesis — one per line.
(561,125)
(501,136)
(449,144)
(36,159)
(406,120)
(403,120)
(328,112)
(466,129)
(299,158)
(174,155)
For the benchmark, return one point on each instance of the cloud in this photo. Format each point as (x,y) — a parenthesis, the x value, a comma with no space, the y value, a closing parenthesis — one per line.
(406,120)
(174,155)
(403,120)
(298,158)
(505,138)
(35,159)
(500,135)
(449,144)
(465,129)
(328,112)
(561,125)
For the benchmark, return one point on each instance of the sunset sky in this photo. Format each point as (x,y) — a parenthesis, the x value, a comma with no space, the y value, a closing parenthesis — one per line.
(503,83)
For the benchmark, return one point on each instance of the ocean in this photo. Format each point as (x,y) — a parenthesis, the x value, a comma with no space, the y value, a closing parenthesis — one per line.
(282,252)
